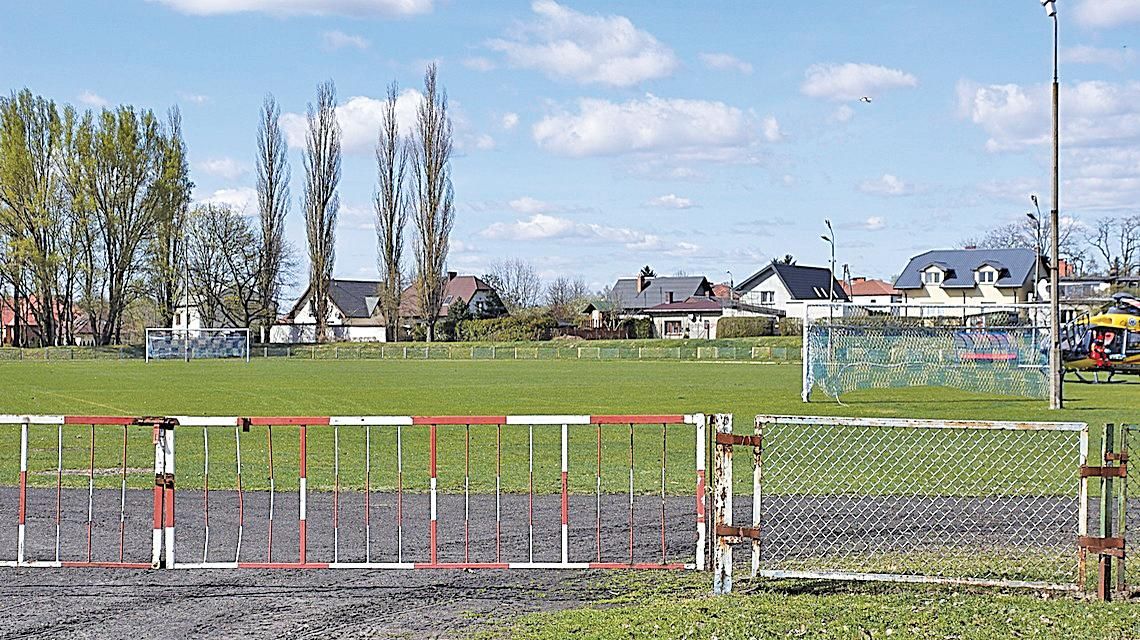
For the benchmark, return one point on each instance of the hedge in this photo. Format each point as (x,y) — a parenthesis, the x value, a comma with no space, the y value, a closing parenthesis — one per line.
(744,327)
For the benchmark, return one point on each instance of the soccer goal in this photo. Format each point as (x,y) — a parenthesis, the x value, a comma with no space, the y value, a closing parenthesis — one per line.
(191,344)
(991,348)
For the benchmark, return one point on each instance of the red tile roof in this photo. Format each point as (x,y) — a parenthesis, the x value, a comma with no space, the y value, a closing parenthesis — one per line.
(869,288)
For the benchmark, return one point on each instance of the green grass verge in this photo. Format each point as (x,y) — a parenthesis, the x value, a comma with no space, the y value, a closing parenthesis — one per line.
(677,606)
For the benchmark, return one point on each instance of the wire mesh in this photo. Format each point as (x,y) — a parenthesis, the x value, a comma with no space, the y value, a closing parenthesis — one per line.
(947,501)
(991,349)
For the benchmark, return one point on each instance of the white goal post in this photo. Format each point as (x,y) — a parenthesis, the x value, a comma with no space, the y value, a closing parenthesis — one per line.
(192,344)
(989,348)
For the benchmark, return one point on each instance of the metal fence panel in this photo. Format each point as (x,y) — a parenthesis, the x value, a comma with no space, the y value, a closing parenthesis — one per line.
(921,500)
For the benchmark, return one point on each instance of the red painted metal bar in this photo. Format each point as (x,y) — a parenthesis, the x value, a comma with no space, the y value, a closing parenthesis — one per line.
(283,565)
(304,541)
(432,470)
(621,419)
(458,420)
(289,421)
(461,565)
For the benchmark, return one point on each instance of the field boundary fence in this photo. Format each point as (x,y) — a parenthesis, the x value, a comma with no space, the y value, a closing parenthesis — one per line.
(360,492)
(1009,504)
(741,353)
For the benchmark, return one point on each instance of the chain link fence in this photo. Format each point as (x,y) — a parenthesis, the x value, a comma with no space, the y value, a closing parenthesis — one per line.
(920,500)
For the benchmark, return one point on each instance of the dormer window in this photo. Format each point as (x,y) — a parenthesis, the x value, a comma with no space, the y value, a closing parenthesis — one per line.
(987,276)
(933,276)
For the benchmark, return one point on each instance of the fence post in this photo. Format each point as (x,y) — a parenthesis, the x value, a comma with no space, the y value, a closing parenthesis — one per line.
(702,490)
(1122,509)
(757,476)
(1104,561)
(722,506)
(1082,509)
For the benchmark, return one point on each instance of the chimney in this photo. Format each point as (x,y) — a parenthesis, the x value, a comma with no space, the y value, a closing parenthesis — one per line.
(971,247)
(642,282)
(669,297)
(451,275)
(858,280)
(1064,269)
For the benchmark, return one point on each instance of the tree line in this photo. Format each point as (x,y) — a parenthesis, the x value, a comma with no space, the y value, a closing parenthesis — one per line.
(1108,245)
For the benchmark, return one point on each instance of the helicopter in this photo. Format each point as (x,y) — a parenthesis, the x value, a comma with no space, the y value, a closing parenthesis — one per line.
(1108,342)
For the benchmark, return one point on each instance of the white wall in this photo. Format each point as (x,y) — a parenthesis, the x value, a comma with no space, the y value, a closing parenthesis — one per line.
(307,333)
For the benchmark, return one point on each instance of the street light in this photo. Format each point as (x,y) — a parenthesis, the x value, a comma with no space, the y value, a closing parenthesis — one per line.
(1037,248)
(830,239)
(1056,400)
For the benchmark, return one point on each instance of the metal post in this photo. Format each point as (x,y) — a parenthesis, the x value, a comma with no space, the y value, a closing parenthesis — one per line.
(1056,396)
(722,506)
(1104,561)
(701,526)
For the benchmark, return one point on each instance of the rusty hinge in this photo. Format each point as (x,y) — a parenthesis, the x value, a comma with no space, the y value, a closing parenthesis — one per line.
(726,530)
(1102,546)
(1115,457)
(732,438)
(245,424)
(164,480)
(1104,472)
(157,421)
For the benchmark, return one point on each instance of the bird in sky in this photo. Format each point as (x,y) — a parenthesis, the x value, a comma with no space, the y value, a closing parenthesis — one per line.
(866,99)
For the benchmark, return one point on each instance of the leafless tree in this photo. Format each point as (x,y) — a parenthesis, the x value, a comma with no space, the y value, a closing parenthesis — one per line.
(432,197)
(273,207)
(563,294)
(173,193)
(1023,235)
(322,174)
(1117,240)
(517,282)
(391,211)
(224,260)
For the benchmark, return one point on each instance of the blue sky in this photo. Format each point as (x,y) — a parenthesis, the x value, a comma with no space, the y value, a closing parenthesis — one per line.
(595,137)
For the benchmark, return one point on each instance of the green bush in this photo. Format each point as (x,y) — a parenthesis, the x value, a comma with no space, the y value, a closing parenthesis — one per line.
(515,328)
(642,328)
(744,327)
(791,327)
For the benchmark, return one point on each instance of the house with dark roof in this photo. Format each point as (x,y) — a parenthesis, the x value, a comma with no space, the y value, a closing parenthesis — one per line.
(790,288)
(697,317)
(632,296)
(967,277)
(482,299)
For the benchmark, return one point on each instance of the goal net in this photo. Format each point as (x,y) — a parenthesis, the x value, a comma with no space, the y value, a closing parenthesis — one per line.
(998,349)
(189,344)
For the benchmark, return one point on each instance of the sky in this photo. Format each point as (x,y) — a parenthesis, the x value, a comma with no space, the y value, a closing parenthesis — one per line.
(594,137)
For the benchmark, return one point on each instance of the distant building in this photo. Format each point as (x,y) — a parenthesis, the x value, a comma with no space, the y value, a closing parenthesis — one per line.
(790,288)
(632,296)
(481,298)
(353,315)
(697,317)
(970,277)
(871,292)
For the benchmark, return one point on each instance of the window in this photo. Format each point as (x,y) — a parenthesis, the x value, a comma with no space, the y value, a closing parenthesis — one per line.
(933,276)
(767,297)
(1133,343)
(672,327)
(987,276)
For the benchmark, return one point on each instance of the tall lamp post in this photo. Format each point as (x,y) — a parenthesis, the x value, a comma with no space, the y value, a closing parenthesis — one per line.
(830,239)
(1037,247)
(1056,400)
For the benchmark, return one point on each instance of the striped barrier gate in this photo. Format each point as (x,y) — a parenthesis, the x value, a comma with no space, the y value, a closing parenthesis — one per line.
(378,492)
(83,496)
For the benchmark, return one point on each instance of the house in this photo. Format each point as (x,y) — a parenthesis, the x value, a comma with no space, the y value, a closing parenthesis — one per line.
(697,317)
(30,334)
(353,315)
(790,288)
(968,277)
(481,299)
(632,296)
(871,292)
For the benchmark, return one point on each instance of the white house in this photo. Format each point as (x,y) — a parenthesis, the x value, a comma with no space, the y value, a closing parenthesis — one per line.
(697,317)
(353,315)
(790,288)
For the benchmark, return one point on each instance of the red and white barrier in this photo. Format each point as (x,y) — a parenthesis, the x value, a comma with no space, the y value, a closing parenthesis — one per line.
(165,536)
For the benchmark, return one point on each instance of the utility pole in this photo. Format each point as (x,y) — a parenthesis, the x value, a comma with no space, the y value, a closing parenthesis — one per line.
(1056,397)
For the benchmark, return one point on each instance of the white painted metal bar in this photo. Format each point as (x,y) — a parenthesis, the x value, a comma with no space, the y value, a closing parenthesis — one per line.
(240,493)
(1082,507)
(30,419)
(923,424)
(58,488)
(701,494)
(23,490)
(565,496)
(530,501)
(205,494)
(547,420)
(336,493)
(399,494)
(374,421)
(207,421)
(367,493)
(757,497)
(722,506)
(168,499)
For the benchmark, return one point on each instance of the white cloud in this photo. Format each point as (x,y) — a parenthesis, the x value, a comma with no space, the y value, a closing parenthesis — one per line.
(359,120)
(482,142)
(589,49)
(725,61)
(852,81)
(1093,113)
(887,185)
(541,226)
(1111,57)
(671,201)
(341,40)
(361,8)
(771,129)
(843,113)
(242,199)
(1107,13)
(691,128)
(479,63)
(225,167)
(529,205)
(875,223)
(196,98)
(92,99)
(510,121)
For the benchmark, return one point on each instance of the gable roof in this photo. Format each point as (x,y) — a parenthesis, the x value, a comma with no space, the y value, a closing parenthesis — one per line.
(802,282)
(458,288)
(869,288)
(657,289)
(1015,267)
(355,298)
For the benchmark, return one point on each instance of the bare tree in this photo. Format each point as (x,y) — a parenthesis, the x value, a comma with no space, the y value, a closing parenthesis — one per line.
(1117,240)
(224,260)
(273,207)
(391,211)
(432,197)
(173,194)
(563,294)
(517,282)
(322,174)
(1023,235)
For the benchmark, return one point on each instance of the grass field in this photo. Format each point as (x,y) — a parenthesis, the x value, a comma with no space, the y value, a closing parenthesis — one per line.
(658,606)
